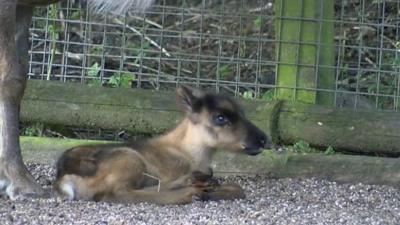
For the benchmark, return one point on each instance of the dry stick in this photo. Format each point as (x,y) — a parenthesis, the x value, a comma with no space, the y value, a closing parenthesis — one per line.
(155,178)
(370,61)
(163,50)
(147,21)
(175,68)
(262,8)
(195,17)
(79,56)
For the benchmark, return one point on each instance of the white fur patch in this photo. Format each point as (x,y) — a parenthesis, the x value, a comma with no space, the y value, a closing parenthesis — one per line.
(119,7)
(7,188)
(68,189)
(3,185)
(2,141)
(10,192)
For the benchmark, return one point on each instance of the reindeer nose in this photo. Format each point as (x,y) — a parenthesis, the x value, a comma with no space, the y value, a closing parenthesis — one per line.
(264,141)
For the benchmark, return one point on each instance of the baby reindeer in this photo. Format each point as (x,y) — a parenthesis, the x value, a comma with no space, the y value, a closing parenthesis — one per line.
(169,169)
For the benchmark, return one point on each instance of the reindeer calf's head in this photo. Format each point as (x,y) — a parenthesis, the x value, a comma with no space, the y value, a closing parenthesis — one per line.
(220,122)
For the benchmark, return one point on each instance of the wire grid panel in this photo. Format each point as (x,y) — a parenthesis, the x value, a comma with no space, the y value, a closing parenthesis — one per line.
(226,45)
(211,44)
(368,53)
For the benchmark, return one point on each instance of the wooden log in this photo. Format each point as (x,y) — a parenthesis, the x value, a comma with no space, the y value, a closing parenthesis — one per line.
(338,167)
(366,132)
(47,150)
(151,112)
(135,110)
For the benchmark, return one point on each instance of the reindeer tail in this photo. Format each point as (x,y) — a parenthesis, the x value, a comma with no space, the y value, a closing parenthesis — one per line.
(119,6)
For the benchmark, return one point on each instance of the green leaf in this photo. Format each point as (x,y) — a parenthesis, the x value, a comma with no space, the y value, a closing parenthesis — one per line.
(329,151)
(94,70)
(76,15)
(224,71)
(268,95)
(397,45)
(257,22)
(121,80)
(114,81)
(126,80)
(396,63)
(302,147)
(248,95)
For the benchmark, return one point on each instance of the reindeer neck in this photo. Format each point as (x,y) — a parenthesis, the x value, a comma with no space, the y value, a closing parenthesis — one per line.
(191,140)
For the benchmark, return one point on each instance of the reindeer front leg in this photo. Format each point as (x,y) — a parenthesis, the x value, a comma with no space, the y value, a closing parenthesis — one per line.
(14,176)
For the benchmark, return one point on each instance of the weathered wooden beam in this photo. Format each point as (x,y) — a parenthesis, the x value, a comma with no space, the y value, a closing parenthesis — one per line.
(139,111)
(363,131)
(135,110)
(151,112)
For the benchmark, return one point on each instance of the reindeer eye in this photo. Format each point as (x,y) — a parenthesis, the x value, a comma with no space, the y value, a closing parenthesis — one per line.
(220,120)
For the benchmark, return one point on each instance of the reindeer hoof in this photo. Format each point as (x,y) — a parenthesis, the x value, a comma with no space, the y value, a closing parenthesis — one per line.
(14,192)
(228,191)
(17,183)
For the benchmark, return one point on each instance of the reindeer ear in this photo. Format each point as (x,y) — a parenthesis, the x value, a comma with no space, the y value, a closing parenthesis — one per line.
(189,97)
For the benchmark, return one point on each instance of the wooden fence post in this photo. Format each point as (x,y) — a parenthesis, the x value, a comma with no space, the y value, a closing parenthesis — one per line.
(305,51)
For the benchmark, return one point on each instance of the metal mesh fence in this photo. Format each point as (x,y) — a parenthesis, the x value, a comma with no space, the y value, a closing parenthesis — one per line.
(225,45)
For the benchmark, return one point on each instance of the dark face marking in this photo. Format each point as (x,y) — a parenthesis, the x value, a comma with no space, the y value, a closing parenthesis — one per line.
(223,111)
(220,120)
(224,121)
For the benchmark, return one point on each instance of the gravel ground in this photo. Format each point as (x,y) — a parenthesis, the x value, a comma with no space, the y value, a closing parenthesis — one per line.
(269,201)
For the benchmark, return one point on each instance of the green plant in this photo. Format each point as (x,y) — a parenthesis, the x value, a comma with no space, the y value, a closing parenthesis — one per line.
(39,12)
(248,95)
(94,70)
(96,50)
(35,129)
(93,73)
(397,45)
(329,151)
(121,80)
(396,63)
(302,147)
(257,22)
(268,95)
(138,50)
(224,71)
(76,15)
(344,74)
